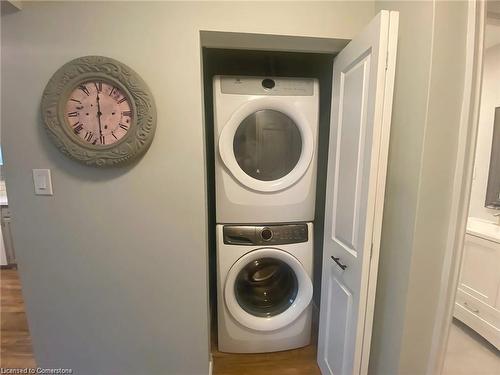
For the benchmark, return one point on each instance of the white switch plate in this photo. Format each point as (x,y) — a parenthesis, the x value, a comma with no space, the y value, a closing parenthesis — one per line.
(42,182)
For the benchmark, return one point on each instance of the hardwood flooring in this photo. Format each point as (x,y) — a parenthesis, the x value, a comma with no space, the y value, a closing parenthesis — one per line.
(15,341)
(291,362)
(16,349)
(300,361)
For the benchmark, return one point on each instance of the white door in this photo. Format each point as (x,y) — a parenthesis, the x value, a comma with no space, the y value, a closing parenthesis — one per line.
(363,80)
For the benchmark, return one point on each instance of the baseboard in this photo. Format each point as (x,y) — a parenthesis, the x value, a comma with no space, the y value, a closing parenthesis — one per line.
(12,266)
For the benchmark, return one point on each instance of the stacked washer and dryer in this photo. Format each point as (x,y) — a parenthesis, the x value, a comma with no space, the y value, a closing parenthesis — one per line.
(266,132)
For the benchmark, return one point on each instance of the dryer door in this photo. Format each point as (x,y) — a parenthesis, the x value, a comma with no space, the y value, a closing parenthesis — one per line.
(267,145)
(267,289)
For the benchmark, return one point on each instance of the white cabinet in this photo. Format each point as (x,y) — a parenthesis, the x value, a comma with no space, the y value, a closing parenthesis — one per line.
(478,296)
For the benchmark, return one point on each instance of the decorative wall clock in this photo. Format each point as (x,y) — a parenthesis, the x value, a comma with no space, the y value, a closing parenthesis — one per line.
(99,112)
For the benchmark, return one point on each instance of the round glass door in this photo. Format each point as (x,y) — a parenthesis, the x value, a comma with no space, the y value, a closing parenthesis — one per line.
(267,145)
(266,287)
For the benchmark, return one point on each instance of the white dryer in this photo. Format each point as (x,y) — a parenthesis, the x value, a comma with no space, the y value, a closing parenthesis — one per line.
(264,287)
(266,132)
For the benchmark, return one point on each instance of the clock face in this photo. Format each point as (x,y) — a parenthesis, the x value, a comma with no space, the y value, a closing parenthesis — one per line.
(98,113)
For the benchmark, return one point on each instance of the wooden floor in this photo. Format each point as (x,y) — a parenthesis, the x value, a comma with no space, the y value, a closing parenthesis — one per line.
(300,361)
(15,345)
(291,362)
(16,349)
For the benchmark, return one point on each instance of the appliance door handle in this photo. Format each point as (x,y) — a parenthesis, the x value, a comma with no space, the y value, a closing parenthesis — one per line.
(237,240)
(337,260)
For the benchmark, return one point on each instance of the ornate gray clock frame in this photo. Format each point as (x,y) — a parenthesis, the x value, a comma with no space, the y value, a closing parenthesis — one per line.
(143,123)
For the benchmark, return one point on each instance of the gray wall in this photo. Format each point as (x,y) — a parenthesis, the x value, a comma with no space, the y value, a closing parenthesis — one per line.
(114,265)
(405,148)
(422,156)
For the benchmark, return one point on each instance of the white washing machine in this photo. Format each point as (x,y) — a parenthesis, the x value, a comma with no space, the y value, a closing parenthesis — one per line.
(266,132)
(264,287)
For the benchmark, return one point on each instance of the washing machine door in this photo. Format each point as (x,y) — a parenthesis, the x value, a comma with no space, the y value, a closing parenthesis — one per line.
(267,289)
(267,145)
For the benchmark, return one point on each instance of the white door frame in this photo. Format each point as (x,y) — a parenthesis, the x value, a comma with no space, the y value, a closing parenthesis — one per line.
(464,167)
(392,45)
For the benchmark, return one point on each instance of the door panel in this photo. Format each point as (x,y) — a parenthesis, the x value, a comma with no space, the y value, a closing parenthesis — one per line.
(363,75)
(339,304)
(349,156)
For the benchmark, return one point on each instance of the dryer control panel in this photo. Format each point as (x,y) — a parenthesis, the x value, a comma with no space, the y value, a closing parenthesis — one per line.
(270,86)
(252,235)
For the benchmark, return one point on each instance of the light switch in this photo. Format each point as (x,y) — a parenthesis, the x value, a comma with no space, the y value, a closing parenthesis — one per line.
(42,181)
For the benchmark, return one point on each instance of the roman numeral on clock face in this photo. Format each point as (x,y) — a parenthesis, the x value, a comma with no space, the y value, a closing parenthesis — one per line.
(77,128)
(102,139)
(127,113)
(88,136)
(84,89)
(124,127)
(72,114)
(121,100)
(98,86)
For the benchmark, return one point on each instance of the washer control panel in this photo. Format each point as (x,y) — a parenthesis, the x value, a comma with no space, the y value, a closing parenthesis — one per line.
(251,235)
(271,86)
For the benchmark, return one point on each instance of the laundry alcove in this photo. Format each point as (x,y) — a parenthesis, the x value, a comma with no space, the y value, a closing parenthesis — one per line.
(348,179)
(265,63)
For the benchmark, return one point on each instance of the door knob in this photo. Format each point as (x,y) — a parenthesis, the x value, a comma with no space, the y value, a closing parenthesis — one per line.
(337,260)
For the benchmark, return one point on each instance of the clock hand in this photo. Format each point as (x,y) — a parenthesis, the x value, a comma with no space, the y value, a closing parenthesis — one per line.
(99,114)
